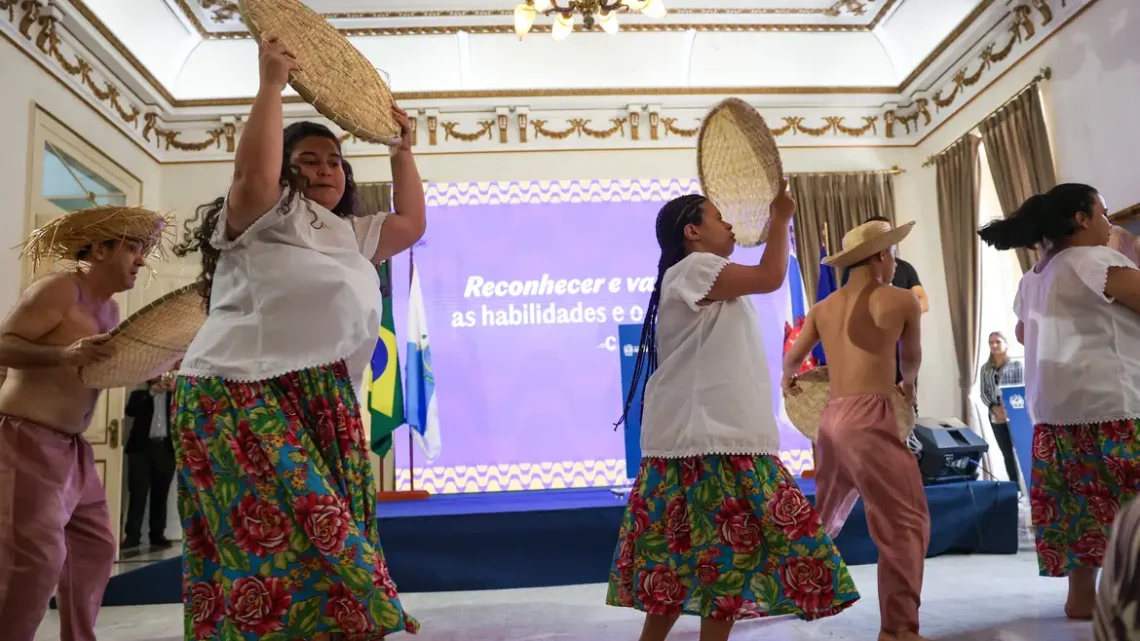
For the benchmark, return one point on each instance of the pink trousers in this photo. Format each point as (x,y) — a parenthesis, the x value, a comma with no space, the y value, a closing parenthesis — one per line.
(860,452)
(55,531)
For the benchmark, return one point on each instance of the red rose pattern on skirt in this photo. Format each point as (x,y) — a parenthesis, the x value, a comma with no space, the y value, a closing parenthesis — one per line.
(1081,476)
(278,506)
(725,537)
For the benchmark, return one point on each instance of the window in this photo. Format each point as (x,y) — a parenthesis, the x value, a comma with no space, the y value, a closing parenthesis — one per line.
(1000,273)
(71,185)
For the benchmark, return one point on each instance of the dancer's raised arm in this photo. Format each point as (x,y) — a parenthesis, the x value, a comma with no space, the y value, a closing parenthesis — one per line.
(768,275)
(408,223)
(258,162)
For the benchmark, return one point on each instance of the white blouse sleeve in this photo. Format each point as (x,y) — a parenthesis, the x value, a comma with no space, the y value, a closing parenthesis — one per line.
(367,230)
(696,274)
(221,241)
(1093,265)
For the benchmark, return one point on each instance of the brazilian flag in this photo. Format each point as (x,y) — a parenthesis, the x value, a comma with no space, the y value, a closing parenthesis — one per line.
(385,390)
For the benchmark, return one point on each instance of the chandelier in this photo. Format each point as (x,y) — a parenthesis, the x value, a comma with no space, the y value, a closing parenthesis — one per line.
(602,13)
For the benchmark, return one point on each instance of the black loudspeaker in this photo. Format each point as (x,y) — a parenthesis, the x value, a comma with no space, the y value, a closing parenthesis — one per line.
(950,453)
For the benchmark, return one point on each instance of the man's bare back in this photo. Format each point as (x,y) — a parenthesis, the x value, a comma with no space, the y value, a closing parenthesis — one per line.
(54,329)
(860,326)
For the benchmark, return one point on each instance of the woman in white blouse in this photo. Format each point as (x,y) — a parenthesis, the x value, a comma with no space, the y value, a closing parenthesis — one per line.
(1078,314)
(276,492)
(716,526)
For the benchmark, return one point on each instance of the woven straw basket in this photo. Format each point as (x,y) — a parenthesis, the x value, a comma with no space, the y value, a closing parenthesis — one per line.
(150,342)
(806,408)
(740,168)
(334,76)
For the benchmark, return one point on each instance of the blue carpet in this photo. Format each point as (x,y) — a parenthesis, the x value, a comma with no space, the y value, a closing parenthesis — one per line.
(566,537)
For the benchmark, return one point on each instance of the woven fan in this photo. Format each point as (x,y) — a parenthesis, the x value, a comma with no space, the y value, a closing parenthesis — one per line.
(150,342)
(334,76)
(806,408)
(740,168)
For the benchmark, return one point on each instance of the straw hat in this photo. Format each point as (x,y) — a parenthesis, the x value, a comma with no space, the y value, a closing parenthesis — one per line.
(866,240)
(334,76)
(150,342)
(740,168)
(805,409)
(65,237)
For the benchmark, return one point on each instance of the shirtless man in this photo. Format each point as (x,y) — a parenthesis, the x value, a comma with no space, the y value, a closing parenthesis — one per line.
(54,523)
(859,449)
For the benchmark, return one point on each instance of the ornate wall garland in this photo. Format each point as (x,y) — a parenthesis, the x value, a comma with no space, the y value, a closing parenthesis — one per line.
(1020,31)
(38,27)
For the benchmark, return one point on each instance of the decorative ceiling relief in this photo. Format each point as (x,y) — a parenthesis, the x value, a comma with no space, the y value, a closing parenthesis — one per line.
(505,121)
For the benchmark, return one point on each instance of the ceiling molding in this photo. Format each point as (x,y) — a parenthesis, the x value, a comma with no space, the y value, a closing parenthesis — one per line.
(512,126)
(886,6)
(223,11)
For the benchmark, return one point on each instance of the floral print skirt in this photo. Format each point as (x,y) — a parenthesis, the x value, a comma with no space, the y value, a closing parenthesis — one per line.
(1081,476)
(278,507)
(725,537)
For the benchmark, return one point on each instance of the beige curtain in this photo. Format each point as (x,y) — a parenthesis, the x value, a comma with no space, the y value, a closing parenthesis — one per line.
(1020,156)
(837,202)
(959,176)
(374,197)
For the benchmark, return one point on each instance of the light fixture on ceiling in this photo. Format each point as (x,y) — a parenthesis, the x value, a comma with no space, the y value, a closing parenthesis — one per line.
(602,13)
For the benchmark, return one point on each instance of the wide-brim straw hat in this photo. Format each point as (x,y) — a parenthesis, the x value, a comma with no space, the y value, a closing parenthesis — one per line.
(740,168)
(333,75)
(805,408)
(866,240)
(150,342)
(66,236)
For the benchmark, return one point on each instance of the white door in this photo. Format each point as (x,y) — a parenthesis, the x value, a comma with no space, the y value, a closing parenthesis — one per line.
(66,173)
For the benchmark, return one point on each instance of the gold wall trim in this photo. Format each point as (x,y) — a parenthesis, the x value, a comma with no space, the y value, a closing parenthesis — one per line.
(1019,31)
(1061,27)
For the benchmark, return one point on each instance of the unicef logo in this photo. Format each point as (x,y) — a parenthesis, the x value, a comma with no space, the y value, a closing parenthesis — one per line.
(1017,402)
(629,350)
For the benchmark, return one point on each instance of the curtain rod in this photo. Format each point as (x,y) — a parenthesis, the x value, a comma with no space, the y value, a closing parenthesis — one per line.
(1045,74)
(894,171)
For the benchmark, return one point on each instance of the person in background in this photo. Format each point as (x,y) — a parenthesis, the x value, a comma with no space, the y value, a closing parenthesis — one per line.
(1117,616)
(276,491)
(997,372)
(712,498)
(1078,312)
(150,461)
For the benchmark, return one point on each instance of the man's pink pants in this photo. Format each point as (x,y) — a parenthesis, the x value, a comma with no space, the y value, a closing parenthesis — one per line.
(860,452)
(55,531)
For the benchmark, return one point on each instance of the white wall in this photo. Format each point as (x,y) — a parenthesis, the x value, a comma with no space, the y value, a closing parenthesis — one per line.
(1091,105)
(25,85)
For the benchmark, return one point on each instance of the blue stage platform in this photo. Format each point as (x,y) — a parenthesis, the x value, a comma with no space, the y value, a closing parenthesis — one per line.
(566,537)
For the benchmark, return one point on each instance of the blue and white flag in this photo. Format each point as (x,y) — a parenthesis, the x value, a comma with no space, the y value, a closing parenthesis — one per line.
(420,409)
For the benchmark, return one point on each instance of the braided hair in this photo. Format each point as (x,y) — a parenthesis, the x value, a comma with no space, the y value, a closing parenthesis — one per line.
(671,222)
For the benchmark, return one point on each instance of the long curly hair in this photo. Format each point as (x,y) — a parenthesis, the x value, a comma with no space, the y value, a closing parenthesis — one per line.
(671,222)
(198,230)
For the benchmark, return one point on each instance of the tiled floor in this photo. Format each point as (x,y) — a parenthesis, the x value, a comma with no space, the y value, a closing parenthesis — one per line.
(979,598)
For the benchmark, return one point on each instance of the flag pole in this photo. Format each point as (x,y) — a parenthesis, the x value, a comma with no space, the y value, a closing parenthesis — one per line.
(411,444)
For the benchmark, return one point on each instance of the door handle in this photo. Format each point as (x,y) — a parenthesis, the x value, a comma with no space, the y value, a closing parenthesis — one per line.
(113,434)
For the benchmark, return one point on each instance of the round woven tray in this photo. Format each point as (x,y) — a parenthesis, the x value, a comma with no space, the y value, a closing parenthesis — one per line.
(805,409)
(150,342)
(740,168)
(334,76)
